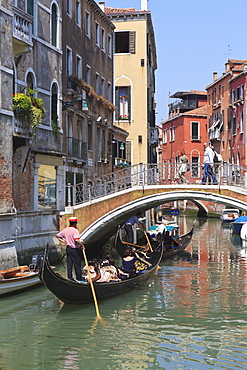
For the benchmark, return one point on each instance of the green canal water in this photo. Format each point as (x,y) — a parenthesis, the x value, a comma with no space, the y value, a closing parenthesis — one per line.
(191,315)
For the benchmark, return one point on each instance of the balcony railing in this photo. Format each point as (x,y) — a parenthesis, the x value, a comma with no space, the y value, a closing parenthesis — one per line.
(103,156)
(21,127)
(182,105)
(22,26)
(77,148)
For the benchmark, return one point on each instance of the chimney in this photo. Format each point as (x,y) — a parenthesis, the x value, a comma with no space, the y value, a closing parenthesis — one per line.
(144,4)
(102,5)
(215,75)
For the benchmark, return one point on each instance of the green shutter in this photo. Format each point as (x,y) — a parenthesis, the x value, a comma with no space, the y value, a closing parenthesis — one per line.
(129,102)
(117,102)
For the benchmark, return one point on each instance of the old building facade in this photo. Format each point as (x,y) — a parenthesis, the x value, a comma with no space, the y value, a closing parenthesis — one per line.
(87,92)
(134,80)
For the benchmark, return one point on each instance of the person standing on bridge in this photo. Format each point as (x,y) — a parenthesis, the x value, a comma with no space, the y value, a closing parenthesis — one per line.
(183,160)
(71,237)
(208,165)
(129,227)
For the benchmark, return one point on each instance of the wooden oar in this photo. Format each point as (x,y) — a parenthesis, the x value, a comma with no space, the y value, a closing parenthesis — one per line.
(135,245)
(91,285)
(149,244)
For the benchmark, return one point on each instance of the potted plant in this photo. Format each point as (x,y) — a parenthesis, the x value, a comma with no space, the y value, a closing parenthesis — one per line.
(29,106)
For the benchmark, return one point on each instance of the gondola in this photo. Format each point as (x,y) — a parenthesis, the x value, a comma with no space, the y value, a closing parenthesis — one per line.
(80,293)
(184,241)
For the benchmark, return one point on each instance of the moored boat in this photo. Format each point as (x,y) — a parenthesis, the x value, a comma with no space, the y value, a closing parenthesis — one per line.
(80,292)
(18,279)
(183,240)
(229,215)
(236,225)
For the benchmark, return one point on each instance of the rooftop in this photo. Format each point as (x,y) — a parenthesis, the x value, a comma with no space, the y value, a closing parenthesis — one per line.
(110,10)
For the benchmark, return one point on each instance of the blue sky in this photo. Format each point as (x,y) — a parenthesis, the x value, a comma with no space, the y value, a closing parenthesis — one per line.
(193,40)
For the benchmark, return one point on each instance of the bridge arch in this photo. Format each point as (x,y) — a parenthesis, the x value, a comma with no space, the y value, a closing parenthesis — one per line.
(105,227)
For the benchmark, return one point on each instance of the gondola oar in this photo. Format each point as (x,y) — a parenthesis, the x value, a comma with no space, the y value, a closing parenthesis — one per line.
(91,285)
(149,244)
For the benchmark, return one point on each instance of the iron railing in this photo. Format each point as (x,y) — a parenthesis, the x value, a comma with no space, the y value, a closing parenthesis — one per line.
(152,174)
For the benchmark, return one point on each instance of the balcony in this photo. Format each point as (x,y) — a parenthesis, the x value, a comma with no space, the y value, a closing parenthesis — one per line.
(77,148)
(154,135)
(121,162)
(22,31)
(103,157)
(182,105)
(21,126)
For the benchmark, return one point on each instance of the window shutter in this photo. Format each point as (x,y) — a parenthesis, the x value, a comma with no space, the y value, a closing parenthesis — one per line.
(129,102)
(113,42)
(132,42)
(117,103)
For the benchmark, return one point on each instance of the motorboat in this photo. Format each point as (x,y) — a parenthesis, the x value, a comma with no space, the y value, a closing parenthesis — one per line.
(236,225)
(229,215)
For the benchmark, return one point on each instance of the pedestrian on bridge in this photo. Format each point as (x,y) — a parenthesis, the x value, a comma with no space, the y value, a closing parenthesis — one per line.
(183,160)
(208,165)
(129,227)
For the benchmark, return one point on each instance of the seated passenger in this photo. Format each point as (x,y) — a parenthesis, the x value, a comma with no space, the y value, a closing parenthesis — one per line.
(169,242)
(129,260)
(93,269)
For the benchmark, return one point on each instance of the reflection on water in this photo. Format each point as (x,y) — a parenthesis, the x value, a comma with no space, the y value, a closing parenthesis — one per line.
(191,315)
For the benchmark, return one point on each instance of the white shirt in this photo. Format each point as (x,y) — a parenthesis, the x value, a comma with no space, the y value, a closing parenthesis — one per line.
(208,155)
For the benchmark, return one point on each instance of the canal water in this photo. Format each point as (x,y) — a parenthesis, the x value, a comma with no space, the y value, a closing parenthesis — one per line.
(191,315)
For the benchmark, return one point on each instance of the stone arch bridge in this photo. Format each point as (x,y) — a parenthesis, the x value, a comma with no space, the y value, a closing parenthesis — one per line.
(98,219)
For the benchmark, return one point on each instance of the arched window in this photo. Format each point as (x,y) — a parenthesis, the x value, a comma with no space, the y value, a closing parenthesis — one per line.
(30,81)
(54,103)
(54,25)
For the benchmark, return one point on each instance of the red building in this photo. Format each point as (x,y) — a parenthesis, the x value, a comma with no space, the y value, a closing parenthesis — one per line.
(237,119)
(186,131)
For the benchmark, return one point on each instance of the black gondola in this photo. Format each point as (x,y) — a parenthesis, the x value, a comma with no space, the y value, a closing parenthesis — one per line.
(184,240)
(80,293)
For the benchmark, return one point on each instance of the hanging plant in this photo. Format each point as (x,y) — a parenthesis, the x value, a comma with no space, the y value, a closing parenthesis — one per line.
(31,107)
(55,127)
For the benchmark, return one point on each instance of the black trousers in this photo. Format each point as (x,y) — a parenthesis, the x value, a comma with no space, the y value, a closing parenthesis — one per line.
(129,233)
(74,258)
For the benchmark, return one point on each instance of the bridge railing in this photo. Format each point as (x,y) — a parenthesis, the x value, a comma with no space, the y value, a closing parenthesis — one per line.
(153,174)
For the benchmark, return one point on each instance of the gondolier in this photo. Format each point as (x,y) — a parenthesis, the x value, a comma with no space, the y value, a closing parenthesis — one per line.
(70,235)
(129,227)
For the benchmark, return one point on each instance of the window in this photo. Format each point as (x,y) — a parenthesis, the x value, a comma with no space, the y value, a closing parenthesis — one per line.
(125,42)
(122,100)
(54,24)
(165,136)
(103,39)
(90,137)
(109,92)
(195,170)
(87,25)
(97,33)
(241,122)
(88,74)
(172,134)
(234,126)
(69,62)
(78,12)
(233,96)
(69,7)
(97,83)
(109,47)
(103,87)
(78,66)
(54,103)
(238,93)
(46,186)
(195,131)
(242,92)
(30,81)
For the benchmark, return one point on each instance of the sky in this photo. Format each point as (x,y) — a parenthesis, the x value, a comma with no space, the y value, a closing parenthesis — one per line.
(193,40)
